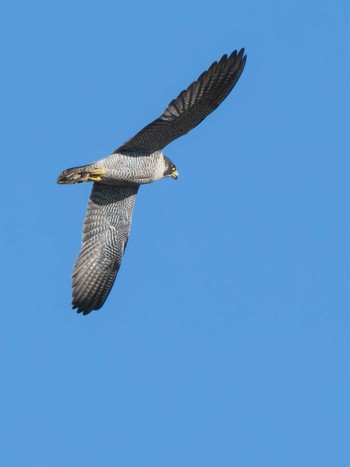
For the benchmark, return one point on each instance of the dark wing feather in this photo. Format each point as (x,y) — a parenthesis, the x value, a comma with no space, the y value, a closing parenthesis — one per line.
(190,107)
(105,235)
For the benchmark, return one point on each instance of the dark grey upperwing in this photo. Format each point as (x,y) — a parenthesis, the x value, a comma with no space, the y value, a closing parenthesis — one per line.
(105,235)
(190,107)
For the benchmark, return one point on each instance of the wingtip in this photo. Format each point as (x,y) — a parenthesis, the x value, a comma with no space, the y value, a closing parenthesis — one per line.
(85,308)
(81,307)
(237,57)
(241,54)
(81,311)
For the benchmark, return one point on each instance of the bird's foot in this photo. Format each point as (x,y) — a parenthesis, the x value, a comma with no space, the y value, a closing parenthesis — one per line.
(81,174)
(94,175)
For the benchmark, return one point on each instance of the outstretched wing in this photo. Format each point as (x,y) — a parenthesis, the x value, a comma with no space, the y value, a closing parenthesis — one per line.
(190,107)
(105,235)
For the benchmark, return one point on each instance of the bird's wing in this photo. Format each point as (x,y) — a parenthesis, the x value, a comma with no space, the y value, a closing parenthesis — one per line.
(105,235)
(190,107)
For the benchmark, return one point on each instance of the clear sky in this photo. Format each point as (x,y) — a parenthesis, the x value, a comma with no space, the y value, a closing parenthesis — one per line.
(226,338)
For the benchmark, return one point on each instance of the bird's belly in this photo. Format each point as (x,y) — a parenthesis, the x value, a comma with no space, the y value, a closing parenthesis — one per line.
(127,176)
(120,169)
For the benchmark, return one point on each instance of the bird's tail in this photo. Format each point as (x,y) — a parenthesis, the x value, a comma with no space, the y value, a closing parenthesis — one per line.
(84,173)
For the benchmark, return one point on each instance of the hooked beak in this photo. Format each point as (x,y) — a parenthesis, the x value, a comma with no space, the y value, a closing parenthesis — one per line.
(175,175)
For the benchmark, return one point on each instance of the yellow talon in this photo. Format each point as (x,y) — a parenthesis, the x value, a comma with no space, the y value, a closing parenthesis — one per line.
(97,171)
(81,174)
(94,178)
(94,175)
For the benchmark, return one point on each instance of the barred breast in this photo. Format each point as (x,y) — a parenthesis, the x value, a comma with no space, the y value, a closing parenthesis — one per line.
(138,169)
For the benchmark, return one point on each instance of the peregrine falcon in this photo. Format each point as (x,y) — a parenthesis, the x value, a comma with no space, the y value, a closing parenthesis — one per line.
(117,178)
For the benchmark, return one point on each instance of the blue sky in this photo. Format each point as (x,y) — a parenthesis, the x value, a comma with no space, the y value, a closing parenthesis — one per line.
(226,338)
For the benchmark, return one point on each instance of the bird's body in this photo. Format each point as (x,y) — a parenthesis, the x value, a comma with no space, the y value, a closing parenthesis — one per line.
(140,169)
(118,176)
(119,169)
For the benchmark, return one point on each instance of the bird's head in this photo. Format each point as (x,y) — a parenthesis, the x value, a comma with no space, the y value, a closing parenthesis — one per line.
(169,169)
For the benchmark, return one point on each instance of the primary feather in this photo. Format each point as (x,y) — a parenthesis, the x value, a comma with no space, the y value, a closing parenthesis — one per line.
(190,107)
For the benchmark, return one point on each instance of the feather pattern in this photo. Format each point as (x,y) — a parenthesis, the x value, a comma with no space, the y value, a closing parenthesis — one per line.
(190,107)
(105,235)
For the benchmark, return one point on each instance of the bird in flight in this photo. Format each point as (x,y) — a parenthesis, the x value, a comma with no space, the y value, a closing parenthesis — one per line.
(117,178)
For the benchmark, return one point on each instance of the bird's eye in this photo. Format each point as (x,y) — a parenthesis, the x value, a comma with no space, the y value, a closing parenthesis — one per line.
(173,168)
